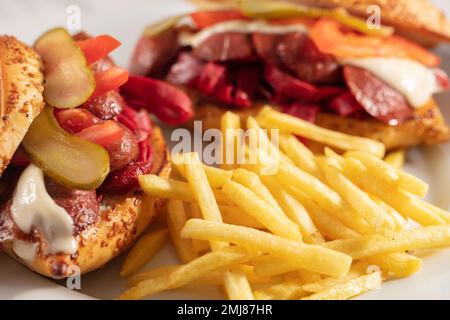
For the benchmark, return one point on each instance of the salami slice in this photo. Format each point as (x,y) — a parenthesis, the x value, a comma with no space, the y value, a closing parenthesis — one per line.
(379,99)
(224,47)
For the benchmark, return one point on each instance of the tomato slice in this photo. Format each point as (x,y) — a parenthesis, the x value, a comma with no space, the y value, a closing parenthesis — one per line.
(97,48)
(205,19)
(331,39)
(108,80)
(75,120)
(103,134)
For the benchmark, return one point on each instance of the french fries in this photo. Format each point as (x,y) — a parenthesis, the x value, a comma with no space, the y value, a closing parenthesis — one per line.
(143,251)
(198,246)
(400,264)
(261,210)
(229,124)
(187,273)
(396,158)
(237,285)
(270,118)
(173,189)
(380,221)
(329,225)
(216,177)
(398,199)
(288,223)
(294,210)
(203,192)
(369,246)
(299,154)
(391,175)
(232,214)
(176,219)
(349,289)
(305,256)
(289,290)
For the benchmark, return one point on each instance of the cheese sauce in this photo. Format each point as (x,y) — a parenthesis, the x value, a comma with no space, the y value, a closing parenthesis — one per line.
(415,81)
(32,207)
(239,26)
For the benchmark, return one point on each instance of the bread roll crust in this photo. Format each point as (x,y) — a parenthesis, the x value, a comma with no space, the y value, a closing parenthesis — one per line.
(418,20)
(21,100)
(122,220)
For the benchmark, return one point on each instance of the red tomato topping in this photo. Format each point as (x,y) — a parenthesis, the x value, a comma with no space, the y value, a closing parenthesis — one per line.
(108,80)
(97,48)
(205,19)
(75,120)
(331,39)
(103,134)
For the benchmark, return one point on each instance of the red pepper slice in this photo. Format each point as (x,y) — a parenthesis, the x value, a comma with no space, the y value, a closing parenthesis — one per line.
(108,80)
(97,48)
(103,134)
(75,120)
(331,39)
(203,19)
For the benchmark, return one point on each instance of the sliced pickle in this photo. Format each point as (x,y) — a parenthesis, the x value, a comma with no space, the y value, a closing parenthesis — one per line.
(69,81)
(161,26)
(65,158)
(284,10)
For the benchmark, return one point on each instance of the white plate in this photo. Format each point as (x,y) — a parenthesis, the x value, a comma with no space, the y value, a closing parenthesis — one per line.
(125,20)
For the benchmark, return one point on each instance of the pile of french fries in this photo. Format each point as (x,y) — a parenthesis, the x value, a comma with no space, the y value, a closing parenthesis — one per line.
(322,226)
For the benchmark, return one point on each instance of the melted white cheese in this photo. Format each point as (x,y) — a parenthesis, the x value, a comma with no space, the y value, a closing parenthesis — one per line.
(240,26)
(415,81)
(32,207)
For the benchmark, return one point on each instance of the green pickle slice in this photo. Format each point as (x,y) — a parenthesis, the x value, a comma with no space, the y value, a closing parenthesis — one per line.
(67,159)
(283,10)
(69,81)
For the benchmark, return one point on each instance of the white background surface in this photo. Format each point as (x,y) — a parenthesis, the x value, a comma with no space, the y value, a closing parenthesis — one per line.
(27,19)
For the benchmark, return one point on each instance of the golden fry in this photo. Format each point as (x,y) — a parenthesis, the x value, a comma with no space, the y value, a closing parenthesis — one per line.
(369,246)
(261,210)
(143,251)
(198,246)
(176,219)
(187,273)
(398,199)
(349,289)
(235,215)
(237,285)
(294,210)
(203,192)
(172,189)
(400,264)
(380,221)
(216,177)
(270,118)
(309,257)
(389,174)
(229,124)
(289,290)
(299,154)
(327,224)
(396,158)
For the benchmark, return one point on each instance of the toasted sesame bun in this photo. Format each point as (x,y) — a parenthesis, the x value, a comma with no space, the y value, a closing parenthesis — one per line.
(21,87)
(122,220)
(418,20)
